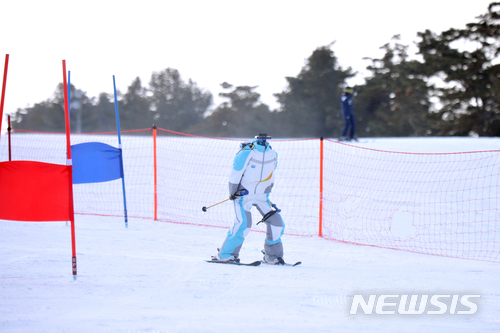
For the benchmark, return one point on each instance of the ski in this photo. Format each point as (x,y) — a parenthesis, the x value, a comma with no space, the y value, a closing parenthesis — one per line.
(255,263)
(352,142)
(285,264)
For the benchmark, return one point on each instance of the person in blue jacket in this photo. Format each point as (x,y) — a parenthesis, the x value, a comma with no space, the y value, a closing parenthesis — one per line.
(253,172)
(348,113)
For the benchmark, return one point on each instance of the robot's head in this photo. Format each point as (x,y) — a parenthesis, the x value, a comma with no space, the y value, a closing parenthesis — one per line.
(262,137)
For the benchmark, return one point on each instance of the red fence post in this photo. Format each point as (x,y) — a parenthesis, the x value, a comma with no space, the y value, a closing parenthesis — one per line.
(155,175)
(320,233)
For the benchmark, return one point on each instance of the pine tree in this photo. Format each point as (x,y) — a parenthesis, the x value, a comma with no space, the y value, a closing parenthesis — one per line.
(471,96)
(311,104)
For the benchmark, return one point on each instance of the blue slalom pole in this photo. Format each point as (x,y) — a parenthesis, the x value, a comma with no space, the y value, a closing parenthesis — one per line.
(121,153)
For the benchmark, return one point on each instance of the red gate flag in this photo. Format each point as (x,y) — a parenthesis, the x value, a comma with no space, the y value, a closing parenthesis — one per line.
(34,191)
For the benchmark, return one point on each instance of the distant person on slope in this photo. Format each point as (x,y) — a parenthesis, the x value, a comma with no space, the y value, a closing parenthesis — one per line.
(348,113)
(253,170)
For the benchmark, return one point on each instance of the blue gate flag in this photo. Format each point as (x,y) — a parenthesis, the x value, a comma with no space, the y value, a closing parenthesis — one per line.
(95,162)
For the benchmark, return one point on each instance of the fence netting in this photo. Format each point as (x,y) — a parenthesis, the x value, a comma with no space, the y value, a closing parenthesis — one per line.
(441,204)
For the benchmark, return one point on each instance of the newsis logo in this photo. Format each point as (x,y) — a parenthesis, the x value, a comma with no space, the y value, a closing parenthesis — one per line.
(421,304)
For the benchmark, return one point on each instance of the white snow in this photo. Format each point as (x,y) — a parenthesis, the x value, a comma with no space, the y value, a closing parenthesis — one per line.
(151,277)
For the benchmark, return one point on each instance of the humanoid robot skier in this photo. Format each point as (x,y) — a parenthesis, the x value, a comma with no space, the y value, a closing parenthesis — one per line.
(253,170)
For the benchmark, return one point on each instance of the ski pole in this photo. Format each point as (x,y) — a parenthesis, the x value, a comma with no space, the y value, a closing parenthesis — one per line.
(237,194)
(205,208)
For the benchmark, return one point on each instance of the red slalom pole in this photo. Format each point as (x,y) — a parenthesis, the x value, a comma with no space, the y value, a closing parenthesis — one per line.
(4,86)
(69,163)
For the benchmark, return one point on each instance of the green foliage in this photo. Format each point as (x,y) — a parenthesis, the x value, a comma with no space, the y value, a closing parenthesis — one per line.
(168,102)
(176,105)
(45,116)
(311,104)
(471,98)
(242,115)
(394,101)
(100,115)
(134,108)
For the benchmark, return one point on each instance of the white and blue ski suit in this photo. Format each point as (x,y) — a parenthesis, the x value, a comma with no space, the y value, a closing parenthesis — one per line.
(253,170)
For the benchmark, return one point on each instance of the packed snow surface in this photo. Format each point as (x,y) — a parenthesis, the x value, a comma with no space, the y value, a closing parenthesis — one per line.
(151,277)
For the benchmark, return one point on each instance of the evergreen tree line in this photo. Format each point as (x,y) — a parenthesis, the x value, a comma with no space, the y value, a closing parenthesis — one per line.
(449,91)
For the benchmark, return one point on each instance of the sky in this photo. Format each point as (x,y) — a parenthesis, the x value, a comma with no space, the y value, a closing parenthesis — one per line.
(254,43)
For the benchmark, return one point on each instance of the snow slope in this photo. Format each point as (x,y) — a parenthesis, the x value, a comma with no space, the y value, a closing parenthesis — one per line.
(151,277)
